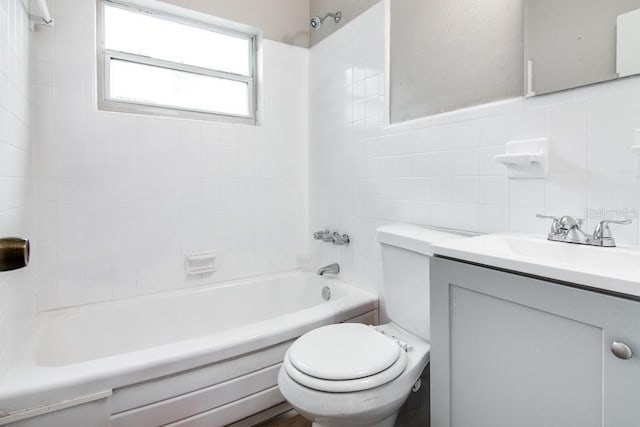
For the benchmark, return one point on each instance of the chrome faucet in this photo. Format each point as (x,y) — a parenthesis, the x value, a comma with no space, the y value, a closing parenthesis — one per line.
(603,234)
(569,230)
(324,235)
(332,237)
(330,269)
(340,239)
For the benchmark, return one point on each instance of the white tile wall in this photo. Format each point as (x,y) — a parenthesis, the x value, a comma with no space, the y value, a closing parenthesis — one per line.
(439,171)
(16,294)
(120,199)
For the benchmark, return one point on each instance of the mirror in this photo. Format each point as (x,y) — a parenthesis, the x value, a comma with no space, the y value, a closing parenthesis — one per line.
(571,43)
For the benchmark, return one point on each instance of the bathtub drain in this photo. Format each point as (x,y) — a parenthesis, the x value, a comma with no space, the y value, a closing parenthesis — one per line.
(326,293)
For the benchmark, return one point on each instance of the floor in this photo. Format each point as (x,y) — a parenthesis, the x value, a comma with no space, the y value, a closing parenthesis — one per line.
(290,419)
(416,410)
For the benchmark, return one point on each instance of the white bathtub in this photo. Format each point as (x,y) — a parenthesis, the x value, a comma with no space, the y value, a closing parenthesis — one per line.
(206,356)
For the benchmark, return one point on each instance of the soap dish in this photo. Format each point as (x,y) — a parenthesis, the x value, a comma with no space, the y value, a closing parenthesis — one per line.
(527,158)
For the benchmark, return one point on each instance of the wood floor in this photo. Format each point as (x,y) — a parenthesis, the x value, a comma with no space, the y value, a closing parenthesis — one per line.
(290,419)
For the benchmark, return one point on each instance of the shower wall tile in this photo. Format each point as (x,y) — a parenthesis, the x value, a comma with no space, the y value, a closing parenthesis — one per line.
(121,198)
(16,290)
(439,171)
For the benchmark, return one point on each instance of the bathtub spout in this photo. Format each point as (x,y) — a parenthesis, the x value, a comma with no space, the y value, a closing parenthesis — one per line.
(331,269)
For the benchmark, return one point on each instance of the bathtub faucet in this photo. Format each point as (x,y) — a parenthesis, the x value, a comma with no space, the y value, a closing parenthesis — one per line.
(331,269)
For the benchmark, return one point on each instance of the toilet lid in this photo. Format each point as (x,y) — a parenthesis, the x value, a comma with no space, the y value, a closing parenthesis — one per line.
(343,352)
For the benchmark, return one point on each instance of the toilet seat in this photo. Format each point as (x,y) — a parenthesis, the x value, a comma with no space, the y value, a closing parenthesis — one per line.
(343,351)
(345,358)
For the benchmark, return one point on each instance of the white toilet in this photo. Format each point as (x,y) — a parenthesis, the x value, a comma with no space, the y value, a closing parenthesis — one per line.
(356,375)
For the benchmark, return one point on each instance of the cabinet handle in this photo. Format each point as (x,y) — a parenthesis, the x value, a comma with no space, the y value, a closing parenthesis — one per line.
(621,350)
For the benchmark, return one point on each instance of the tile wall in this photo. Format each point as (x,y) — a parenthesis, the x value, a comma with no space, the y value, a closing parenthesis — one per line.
(120,199)
(439,171)
(16,292)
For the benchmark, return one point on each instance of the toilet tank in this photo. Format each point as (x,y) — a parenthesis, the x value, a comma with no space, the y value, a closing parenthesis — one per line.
(406,254)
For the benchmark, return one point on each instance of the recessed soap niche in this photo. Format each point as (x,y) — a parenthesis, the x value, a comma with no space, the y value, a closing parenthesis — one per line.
(200,263)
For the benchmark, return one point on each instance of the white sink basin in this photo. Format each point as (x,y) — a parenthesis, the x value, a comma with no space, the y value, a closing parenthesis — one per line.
(612,269)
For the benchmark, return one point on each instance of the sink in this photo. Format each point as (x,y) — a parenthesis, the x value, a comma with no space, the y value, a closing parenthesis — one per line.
(611,269)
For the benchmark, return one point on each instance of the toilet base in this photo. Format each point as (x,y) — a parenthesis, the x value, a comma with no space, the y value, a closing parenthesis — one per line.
(387,422)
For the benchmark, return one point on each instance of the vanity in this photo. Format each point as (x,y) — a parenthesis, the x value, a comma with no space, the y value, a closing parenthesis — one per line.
(531,332)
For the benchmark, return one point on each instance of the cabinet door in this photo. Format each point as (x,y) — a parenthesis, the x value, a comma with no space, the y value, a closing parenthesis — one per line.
(515,351)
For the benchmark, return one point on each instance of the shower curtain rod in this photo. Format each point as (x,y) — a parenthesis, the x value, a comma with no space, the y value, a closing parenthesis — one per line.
(45,16)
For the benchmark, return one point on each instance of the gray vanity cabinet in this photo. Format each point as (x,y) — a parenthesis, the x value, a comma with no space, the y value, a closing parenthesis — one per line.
(509,350)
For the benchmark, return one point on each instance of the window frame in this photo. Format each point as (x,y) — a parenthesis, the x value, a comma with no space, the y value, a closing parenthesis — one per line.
(105,56)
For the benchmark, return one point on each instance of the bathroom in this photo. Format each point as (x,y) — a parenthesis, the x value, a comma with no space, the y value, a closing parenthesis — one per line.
(174,239)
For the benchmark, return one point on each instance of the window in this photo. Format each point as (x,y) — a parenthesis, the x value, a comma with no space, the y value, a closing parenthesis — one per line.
(154,63)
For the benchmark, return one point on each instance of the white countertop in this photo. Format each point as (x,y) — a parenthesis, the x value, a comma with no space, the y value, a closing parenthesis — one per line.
(614,270)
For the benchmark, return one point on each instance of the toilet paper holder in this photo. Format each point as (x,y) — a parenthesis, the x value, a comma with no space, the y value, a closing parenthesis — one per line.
(14,253)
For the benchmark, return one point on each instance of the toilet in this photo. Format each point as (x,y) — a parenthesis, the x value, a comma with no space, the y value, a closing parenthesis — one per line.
(351,374)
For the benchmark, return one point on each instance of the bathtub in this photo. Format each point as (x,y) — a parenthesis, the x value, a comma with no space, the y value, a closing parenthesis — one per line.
(206,356)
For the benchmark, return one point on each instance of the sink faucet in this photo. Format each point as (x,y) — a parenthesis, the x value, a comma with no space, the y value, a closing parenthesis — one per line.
(331,269)
(603,232)
(569,230)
